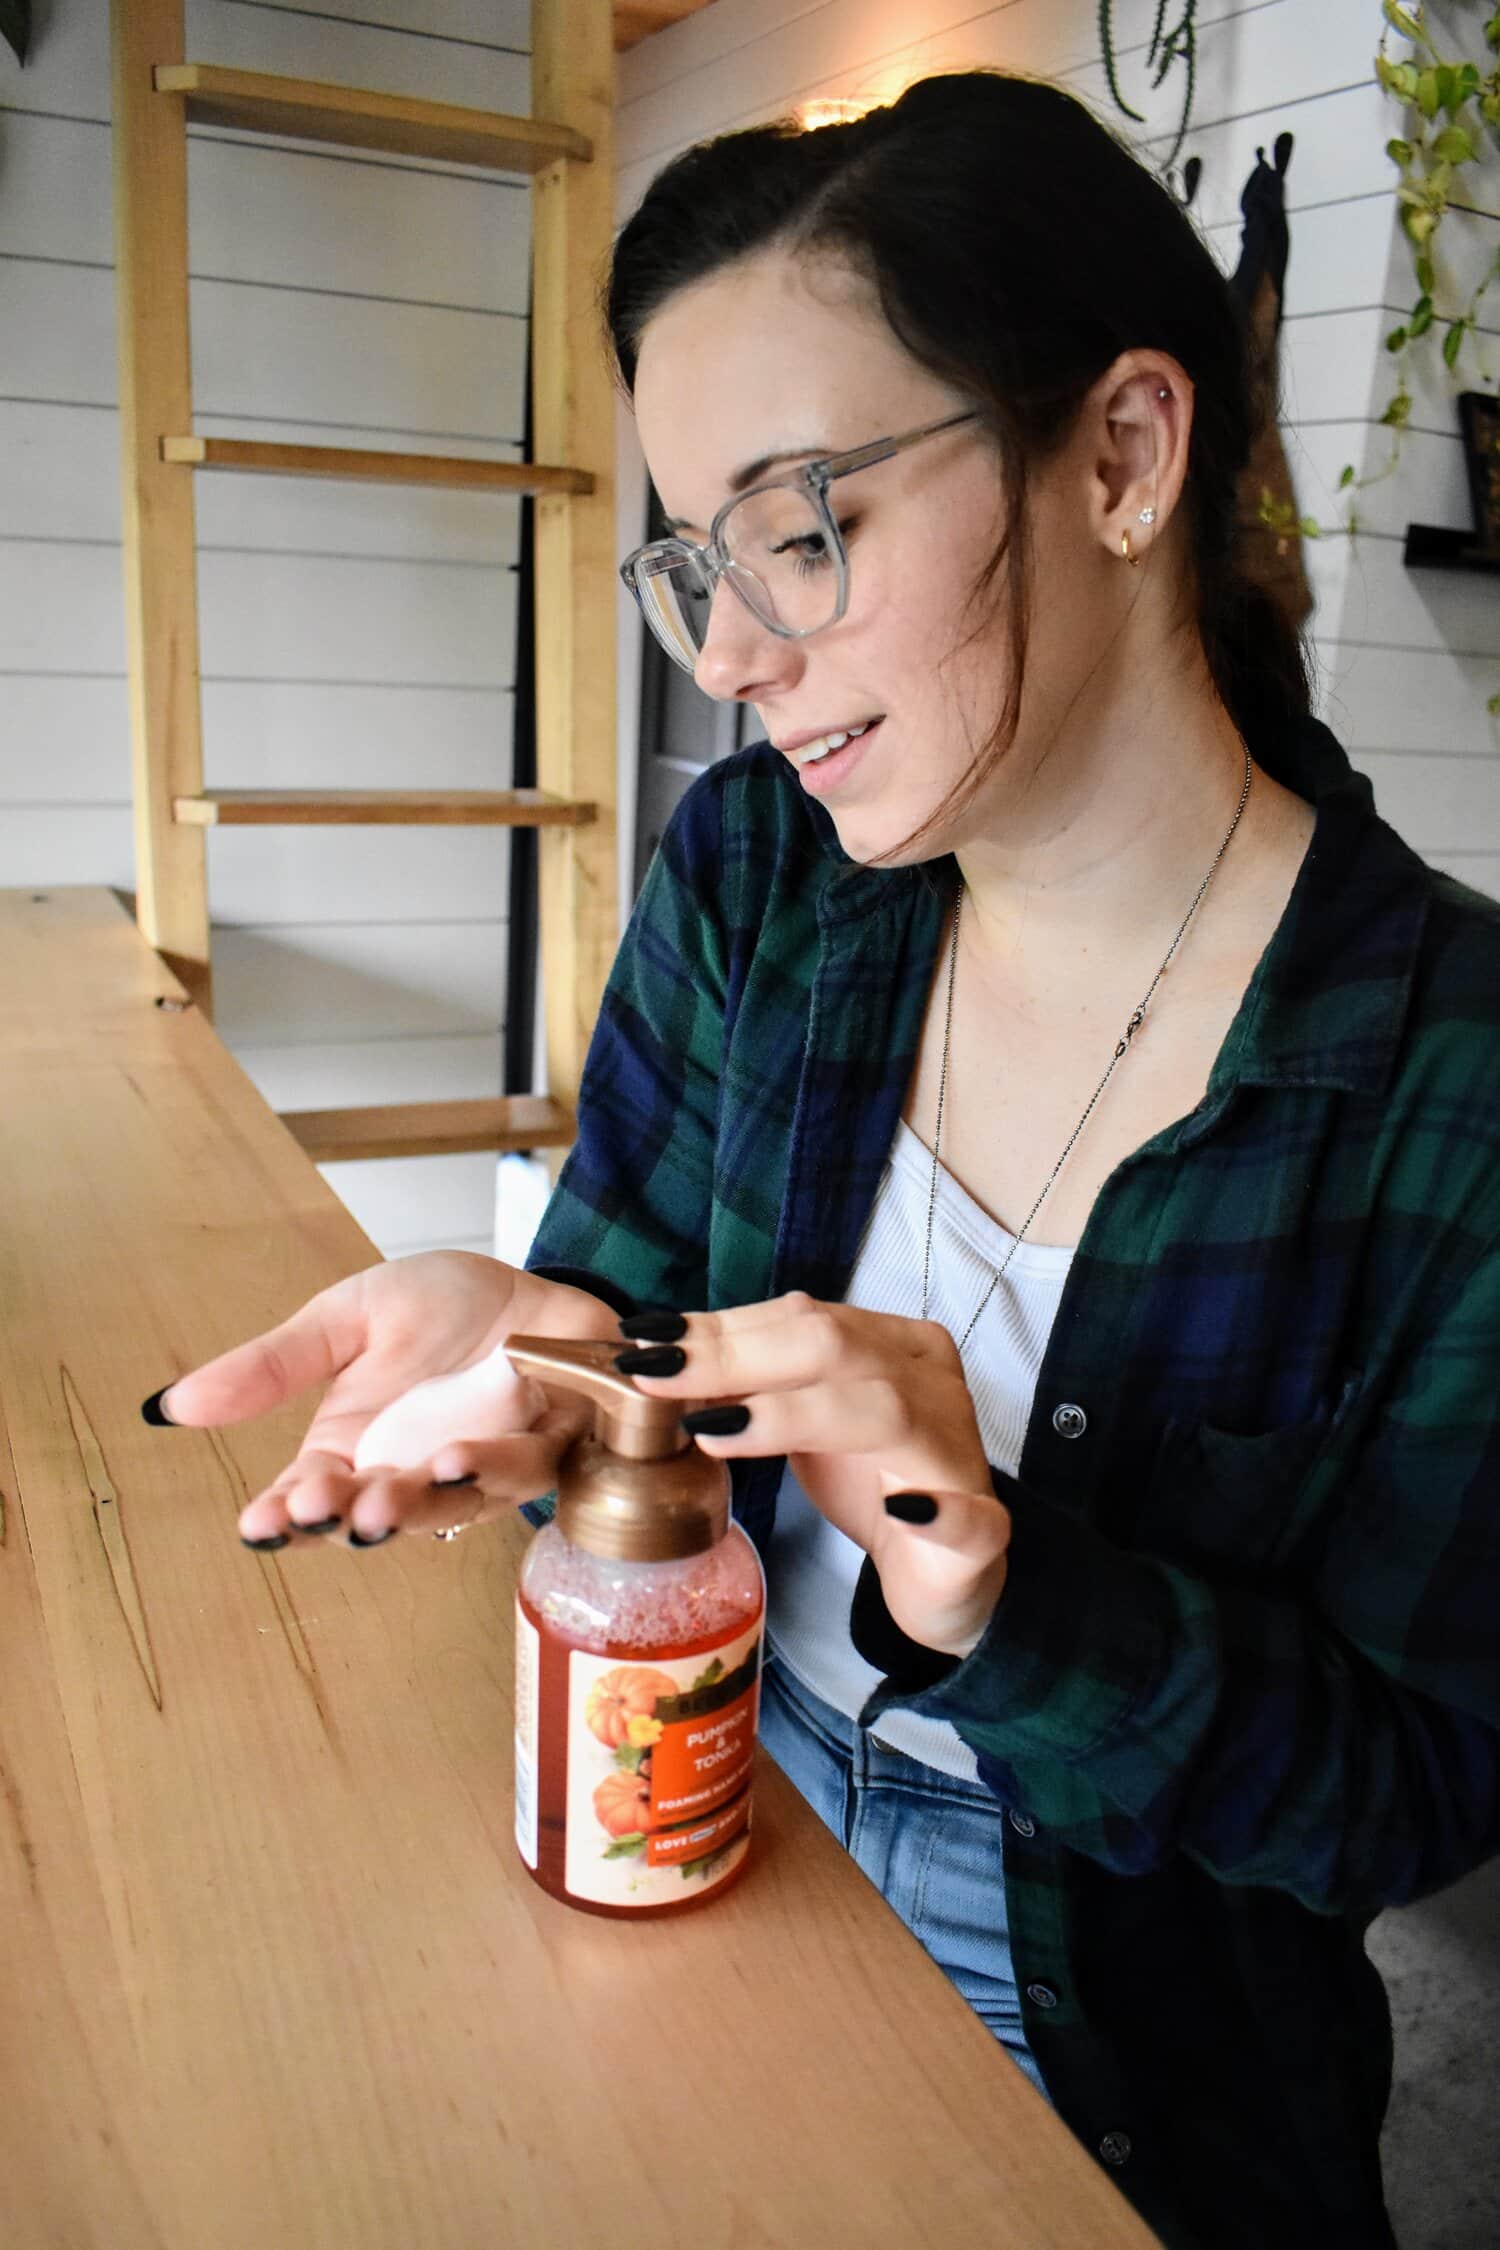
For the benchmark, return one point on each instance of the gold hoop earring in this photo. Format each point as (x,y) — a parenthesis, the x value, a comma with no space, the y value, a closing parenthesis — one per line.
(1133,560)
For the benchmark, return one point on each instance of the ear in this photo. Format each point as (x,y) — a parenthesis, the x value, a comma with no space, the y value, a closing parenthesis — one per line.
(1139,418)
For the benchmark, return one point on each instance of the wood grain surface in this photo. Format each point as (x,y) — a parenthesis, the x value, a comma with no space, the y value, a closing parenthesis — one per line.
(272,1970)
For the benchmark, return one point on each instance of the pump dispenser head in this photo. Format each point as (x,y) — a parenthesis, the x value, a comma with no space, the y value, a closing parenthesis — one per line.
(638,1489)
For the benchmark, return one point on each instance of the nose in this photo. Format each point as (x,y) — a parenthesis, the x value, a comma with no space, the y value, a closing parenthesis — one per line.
(741,659)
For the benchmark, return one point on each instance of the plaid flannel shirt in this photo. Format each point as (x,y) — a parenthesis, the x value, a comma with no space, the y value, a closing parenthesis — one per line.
(1241,1690)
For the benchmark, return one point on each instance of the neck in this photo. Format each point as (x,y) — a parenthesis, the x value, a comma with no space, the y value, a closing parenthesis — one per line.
(1097,838)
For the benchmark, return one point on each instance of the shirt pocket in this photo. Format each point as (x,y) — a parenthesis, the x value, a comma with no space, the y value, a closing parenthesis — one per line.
(1260,1503)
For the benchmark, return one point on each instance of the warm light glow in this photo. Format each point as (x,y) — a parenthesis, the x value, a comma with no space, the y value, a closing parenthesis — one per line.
(810,115)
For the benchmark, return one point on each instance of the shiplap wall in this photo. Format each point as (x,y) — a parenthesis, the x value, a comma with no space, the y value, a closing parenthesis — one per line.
(1406,661)
(351,636)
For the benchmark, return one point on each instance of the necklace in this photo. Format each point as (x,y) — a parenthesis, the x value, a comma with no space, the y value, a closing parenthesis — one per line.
(1122,1049)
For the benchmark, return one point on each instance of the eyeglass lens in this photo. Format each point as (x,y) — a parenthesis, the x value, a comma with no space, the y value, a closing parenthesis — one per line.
(779,562)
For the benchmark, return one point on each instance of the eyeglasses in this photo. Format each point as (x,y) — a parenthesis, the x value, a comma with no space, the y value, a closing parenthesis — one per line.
(778,546)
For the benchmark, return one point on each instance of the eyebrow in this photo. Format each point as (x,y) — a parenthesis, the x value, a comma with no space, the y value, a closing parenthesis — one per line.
(753,471)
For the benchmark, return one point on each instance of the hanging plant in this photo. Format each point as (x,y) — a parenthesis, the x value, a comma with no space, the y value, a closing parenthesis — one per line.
(1453,114)
(15,26)
(1167,48)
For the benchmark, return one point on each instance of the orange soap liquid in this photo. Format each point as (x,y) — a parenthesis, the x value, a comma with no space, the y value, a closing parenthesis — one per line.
(637,1700)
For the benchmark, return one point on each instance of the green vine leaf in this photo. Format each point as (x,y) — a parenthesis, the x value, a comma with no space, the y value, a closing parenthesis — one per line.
(1454,146)
(1427,92)
(1346,477)
(625,1847)
(1396,340)
(1421,319)
(1399,20)
(1425,280)
(1453,342)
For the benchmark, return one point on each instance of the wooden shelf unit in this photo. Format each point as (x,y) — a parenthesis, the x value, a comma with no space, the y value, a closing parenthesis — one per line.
(304,109)
(364,808)
(566,152)
(351,464)
(334,1136)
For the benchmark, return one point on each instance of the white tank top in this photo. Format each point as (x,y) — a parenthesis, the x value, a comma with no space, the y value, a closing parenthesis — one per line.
(811,1567)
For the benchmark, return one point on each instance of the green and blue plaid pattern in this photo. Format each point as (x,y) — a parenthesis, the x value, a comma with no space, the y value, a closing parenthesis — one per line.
(1243,1687)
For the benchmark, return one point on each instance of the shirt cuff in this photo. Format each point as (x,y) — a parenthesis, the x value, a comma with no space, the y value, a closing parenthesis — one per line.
(1081,1634)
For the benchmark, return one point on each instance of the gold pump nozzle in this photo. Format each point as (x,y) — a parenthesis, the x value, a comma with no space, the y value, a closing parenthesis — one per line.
(638,1489)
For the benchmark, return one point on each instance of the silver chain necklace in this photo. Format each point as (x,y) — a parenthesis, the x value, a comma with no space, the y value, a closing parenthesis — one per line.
(1121,1050)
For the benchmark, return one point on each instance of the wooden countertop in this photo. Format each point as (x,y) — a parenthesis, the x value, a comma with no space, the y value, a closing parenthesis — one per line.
(272,1971)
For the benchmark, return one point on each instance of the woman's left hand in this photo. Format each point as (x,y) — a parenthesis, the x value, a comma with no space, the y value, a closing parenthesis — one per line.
(864,1405)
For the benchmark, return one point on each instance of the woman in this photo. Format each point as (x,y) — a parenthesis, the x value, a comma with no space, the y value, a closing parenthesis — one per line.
(1053,1121)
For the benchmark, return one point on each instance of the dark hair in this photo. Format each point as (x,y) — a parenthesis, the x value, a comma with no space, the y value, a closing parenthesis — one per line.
(1017,248)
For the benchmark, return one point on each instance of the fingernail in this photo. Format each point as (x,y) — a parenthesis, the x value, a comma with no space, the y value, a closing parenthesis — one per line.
(716,1421)
(911,1507)
(378,1541)
(446,1484)
(328,1523)
(654,1327)
(277,1539)
(155,1413)
(661,1359)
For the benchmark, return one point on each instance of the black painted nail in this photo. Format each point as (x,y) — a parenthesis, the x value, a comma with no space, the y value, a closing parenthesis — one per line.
(379,1541)
(911,1507)
(328,1523)
(716,1421)
(446,1484)
(661,1359)
(654,1327)
(267,1546)
(155,1413)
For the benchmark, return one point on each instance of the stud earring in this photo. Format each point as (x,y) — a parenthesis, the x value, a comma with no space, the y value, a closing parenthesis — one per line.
(1148,515)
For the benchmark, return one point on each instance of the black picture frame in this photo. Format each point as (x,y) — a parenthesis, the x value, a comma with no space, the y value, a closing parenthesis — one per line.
(1479,415)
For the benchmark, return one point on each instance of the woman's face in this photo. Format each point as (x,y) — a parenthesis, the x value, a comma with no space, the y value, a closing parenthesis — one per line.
(772,358)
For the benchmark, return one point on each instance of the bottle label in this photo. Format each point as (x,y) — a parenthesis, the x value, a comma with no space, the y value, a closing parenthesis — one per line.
(660,1756)
(528,1678)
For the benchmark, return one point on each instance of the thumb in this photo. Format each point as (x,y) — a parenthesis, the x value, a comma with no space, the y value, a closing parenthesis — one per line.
(968,1523)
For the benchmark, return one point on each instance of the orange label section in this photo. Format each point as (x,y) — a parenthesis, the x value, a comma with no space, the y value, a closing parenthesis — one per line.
(702,1838)
(698,1764)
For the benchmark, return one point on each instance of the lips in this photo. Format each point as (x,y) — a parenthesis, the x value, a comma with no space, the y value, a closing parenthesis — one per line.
(807,749)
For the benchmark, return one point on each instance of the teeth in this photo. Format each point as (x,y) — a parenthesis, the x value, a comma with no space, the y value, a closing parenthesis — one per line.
(810,752)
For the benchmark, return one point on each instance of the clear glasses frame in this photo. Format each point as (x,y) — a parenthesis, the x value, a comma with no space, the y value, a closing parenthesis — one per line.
(714,562)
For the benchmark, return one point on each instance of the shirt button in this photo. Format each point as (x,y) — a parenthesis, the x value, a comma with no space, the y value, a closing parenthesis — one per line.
(1021,1825)
(1115,2148)
(1070,1421)
(1042,1994)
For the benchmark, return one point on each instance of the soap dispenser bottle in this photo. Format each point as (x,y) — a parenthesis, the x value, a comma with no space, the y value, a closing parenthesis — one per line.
(639,1619)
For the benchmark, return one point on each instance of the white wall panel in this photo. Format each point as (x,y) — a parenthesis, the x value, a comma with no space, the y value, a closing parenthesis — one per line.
(381,370)
(260,211)
(66,736)
(62,481)
(288,734)
(402,981)
(347,49)
(1400,699)
(324,1071)
(451,1199)
(303,876)
(321,618)
(351,363)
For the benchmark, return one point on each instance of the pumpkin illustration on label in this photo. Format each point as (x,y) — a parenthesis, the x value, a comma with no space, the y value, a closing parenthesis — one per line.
(623,1803)
(627,1694)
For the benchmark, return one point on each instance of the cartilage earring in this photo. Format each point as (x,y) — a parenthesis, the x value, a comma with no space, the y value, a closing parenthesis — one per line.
(1148,515)
(1133,560)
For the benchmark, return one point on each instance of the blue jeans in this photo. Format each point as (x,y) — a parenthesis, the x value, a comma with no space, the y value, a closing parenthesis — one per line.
(930,1843)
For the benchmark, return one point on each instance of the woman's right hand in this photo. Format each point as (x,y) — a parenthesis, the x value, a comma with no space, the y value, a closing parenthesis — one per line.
(370,1338)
